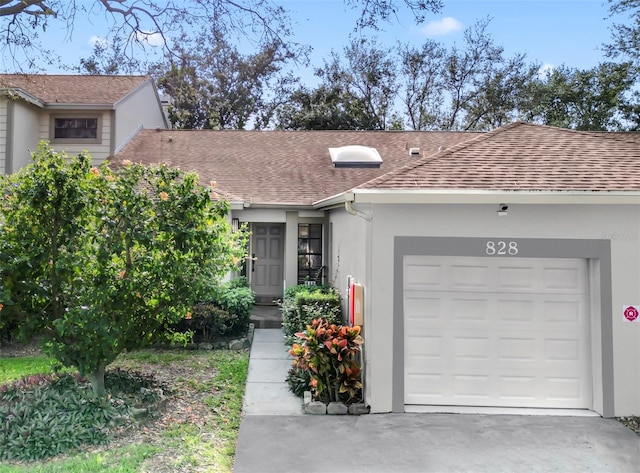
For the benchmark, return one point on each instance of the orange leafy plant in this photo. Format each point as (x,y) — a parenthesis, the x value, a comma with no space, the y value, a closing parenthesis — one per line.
(330,355)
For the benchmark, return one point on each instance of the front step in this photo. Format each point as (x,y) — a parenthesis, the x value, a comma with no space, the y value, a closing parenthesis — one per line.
(266,316)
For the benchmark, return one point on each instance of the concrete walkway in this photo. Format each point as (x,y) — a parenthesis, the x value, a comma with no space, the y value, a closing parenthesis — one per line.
(267,393)
(274,437)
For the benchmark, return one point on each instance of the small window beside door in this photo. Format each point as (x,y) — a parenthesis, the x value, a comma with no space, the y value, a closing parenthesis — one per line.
(310,253)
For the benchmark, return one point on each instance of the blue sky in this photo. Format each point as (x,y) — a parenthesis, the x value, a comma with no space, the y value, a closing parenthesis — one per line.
(552,32)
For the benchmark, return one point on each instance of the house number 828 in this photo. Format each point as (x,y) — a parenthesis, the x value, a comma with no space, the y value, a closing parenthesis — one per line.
(500,248)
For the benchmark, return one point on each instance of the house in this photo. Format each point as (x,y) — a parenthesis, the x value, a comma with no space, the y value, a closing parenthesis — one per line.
(500,270)
(74,113)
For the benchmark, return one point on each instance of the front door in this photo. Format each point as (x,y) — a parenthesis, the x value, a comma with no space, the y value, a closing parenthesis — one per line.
(267,271)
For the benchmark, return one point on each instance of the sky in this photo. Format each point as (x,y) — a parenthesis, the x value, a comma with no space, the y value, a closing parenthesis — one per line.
(550,32)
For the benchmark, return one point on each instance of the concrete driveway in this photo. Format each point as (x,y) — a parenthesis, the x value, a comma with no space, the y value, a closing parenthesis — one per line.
(411,443)
(276,438)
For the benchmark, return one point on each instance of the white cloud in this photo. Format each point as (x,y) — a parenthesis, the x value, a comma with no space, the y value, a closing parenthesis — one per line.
(152,39)
(98,40)
(441,27)
(545,70)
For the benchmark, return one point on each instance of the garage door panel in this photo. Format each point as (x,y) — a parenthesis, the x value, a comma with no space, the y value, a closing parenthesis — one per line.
(522,341)
(563,279)
(516,278)
(464,277)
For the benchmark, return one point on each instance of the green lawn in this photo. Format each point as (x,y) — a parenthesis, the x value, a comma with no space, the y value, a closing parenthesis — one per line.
(18,367)
(213,382)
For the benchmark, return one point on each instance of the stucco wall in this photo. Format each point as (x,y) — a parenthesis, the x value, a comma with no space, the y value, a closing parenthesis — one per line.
(619,224)
(140,109)
(26,118)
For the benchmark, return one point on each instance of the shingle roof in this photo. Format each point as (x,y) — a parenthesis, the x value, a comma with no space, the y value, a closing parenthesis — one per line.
(279,167)
(73,89)
(522,156)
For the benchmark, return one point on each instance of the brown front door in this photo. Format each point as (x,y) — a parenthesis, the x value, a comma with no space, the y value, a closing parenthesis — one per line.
(267,272)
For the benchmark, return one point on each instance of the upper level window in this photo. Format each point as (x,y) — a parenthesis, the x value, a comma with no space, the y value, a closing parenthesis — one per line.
(76,128)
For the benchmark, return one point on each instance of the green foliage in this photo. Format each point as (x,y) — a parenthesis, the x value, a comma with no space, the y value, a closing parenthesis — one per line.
(226,312)
(299,381)
(209,321)
(238,301)
(15,368)
(101,260)
(117,460)
(45,415)
(597,99)
(330,354)
(302,304)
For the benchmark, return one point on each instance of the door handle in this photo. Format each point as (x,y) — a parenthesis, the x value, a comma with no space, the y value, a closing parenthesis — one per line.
(253,262)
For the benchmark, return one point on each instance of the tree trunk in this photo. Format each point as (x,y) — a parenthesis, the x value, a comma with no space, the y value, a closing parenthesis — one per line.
(97,380)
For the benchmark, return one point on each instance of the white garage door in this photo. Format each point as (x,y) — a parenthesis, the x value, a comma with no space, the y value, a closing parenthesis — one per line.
(506,332)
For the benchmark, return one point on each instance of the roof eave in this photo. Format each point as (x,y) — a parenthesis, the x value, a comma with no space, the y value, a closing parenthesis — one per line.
(11,92)
(78,106)
(474,196)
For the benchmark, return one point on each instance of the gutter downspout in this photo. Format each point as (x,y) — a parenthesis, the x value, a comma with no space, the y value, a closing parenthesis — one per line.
(348,206)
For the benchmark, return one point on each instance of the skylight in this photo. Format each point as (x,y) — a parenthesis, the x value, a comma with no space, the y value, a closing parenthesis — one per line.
(355,156)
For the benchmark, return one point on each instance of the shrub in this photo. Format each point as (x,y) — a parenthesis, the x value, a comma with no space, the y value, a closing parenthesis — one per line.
(302,304)
(45,415)
(210,321)
(225,312)
(299,380)
(329,354)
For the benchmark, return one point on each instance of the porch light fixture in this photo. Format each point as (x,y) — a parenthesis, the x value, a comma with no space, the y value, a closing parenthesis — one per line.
(235,225)
(502,210)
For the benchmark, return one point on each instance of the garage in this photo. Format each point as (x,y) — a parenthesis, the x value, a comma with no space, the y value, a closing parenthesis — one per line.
(496,332)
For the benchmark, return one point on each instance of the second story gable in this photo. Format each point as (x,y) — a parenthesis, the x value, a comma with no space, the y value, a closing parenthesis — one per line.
(75,113)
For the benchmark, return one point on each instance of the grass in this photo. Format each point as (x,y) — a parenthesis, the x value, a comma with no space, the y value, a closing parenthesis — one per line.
(212,382)
(122,460)
(18,367)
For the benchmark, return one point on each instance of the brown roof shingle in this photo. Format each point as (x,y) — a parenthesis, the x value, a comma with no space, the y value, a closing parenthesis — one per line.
(523,156)
(73,89)
(279,167)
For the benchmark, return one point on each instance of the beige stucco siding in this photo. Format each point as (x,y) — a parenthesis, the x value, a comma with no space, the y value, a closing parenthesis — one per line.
(138,110)
(26,118)
(619,224)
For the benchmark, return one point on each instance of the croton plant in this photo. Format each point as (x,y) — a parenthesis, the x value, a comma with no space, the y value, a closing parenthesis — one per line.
(330,354)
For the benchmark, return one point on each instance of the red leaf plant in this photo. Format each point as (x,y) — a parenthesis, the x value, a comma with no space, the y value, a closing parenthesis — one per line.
(331,355)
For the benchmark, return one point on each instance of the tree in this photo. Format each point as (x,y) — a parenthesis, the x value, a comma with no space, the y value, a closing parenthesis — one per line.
(423,85)
(597,99)
(626,37)
(108,59)
(357,91)
(135,21)
(327,107)
(213,85)
(101,261)
(472,87)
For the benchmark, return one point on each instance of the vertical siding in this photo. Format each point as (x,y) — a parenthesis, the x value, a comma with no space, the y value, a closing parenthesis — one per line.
(98,151)
(3,135)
